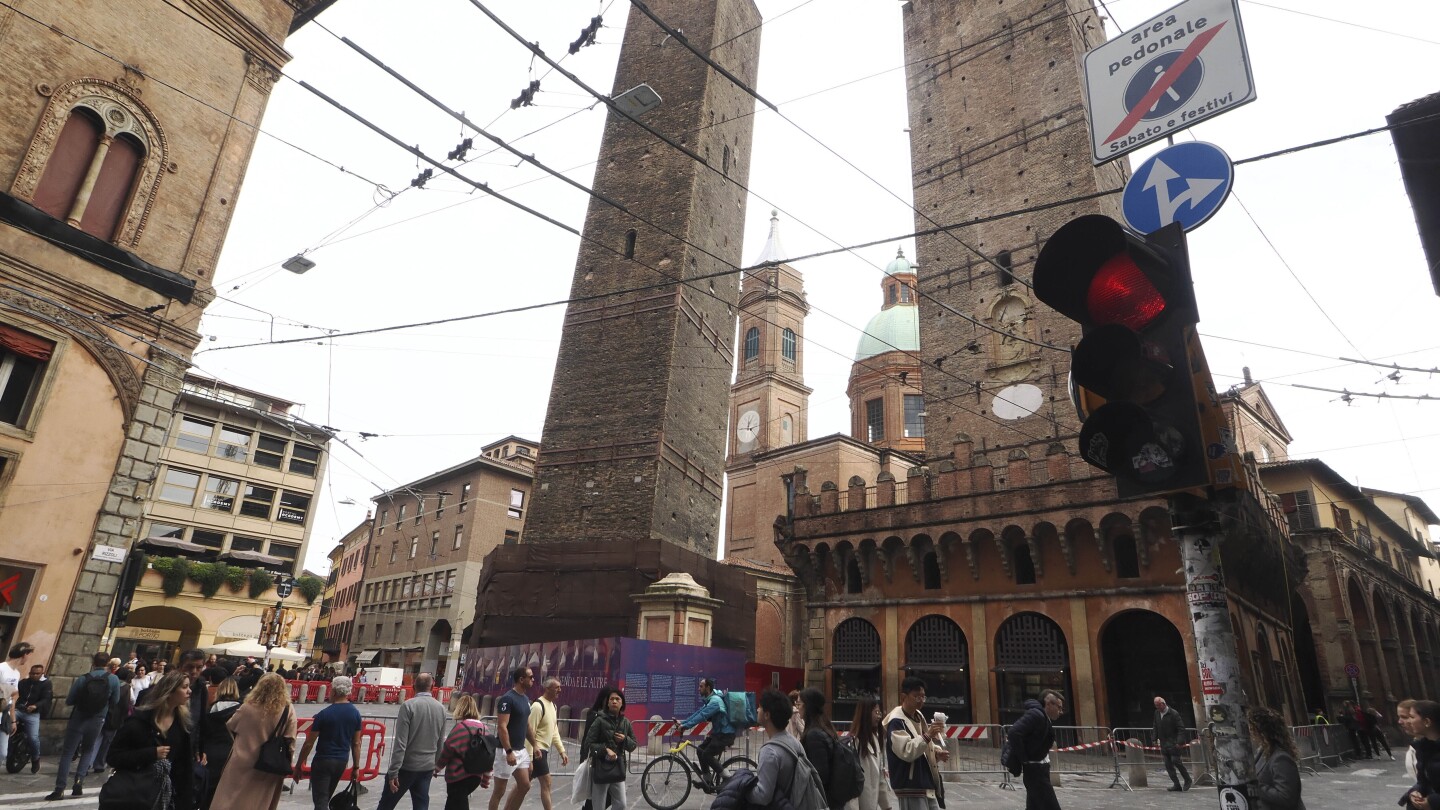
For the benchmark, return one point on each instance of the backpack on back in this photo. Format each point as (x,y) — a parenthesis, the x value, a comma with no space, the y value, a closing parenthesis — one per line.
(802,769)
(847,775)
(740,708)
(94,696)
(480,754)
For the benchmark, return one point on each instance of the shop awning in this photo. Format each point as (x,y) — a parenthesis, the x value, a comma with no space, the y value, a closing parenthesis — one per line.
(368,657)
(167,546)
(257,558)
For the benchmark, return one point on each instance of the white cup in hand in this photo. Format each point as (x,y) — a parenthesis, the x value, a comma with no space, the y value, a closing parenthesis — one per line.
(939,717)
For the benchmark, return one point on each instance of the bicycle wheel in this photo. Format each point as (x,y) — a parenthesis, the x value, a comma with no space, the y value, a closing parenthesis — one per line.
(19,755)
(736,764)
(665,784)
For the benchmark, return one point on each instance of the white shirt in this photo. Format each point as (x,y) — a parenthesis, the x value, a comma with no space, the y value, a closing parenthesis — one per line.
(9,681)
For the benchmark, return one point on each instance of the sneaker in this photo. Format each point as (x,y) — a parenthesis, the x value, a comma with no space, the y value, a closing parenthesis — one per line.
(59,794)
(1174,789)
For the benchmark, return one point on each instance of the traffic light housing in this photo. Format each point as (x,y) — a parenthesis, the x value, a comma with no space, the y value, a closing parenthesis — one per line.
(1135,302)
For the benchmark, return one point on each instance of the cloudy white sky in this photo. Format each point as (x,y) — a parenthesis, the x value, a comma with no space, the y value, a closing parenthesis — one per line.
(1313,259)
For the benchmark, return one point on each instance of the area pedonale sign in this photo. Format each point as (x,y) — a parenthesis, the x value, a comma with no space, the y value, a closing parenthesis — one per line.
(1171,72)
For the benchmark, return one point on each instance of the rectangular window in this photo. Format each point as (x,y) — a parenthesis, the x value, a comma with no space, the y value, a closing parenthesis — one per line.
(459,535)
(397,631)
(450,582)
(165,530)
(464,497)
(419,510)
(419,630)
(284,551)
(511,537)
(238,543)
(294,507)
(384,518)
(194,434)
(257,501)
(23,358)
(179,487)
(220,493)
(914,416)
(1299,508)
(394,549)
(400,515)
(304,460)
(434,543)
(440,504)
(377,556)
(200,537)
(234,444)
(1363,538)
(517,504)
(414,547)
(408,589)
(875,420)
(1341,516)
(429,585)
(270,451)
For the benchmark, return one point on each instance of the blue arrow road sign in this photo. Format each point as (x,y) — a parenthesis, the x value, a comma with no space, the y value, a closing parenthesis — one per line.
(1184,183)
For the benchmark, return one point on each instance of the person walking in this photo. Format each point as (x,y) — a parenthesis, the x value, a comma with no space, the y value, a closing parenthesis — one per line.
(1425,793)
(1374,725)
(602,699)
(721,736)
(32,704)
(139,683)
(1277,769)
(820,739)
(865,730)
(545,730)
(266,712)
(11,670)
(335,737)
(419,734)
(1167,728)
(610,738)
(1354,726)
(156,740)
(460,782)
(512,720)
(114,718)
(783,768)
(915,751)
(1030,740)
(1405,720)
(216,741)
(90,697)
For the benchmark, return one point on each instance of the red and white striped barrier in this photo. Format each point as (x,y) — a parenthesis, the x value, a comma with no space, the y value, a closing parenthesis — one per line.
(1129,744)
(1082,746)
(967,733)
(672,729)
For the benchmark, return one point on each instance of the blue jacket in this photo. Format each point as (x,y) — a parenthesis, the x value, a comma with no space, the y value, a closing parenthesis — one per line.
(712,711)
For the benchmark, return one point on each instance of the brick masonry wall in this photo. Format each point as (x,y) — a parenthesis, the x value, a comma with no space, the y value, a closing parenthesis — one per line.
(634,436)
(997,124)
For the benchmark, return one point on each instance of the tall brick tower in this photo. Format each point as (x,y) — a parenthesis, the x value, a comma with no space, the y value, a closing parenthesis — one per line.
(628,481)
(634,441)
(997,124)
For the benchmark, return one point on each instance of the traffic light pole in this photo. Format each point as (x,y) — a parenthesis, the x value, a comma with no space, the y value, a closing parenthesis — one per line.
(1196,526)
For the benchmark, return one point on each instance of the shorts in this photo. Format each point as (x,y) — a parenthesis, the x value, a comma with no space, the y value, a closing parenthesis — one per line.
(502,766)
(540,765)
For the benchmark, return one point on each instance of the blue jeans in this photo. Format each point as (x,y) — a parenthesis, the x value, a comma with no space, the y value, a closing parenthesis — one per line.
(80,735)
(29,722)
(417,783)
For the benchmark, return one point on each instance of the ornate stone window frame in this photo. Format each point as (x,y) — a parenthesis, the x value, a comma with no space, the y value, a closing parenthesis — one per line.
(121,113)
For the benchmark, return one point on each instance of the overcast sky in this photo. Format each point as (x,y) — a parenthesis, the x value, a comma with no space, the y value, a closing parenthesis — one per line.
(1313,259)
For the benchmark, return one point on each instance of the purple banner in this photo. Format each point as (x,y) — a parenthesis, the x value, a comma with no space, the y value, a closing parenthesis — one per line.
(659,679)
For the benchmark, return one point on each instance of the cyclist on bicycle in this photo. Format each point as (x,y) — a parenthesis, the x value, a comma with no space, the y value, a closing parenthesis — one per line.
(721,736)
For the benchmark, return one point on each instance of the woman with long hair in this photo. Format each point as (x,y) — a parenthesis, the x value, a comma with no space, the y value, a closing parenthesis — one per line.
(820,736)
(215,739)
(155,741)
(460,783)
(265,709)
(610,738)
(1277,769)
(602,698)
(1425,725)
(139,683)
(866,730)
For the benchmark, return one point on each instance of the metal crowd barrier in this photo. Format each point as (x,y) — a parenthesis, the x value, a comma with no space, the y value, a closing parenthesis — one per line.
(1086,749)
(1321,746)
(1139,747)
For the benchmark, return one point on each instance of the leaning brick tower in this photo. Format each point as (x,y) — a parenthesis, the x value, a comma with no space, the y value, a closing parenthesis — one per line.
(997,125)
(629,478)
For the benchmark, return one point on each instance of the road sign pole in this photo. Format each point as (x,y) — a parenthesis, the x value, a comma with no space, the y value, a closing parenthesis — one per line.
(1196,527)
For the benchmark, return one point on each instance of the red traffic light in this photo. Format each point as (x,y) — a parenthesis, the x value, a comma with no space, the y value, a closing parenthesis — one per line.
(1121,294)
(1095,272)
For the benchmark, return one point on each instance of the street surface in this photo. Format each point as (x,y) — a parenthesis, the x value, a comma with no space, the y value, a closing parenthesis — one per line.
(1374,784)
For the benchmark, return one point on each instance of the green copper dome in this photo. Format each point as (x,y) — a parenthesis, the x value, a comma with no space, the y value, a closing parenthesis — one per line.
(896,328)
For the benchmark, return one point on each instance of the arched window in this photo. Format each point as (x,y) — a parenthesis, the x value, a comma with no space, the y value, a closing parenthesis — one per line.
(1024,565)
(1127,561)
(787,344)
(930,567)
(852,576)
(96,161)
(752,343)
(630,244)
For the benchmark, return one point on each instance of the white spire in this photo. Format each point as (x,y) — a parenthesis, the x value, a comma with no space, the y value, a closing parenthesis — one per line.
(773,251)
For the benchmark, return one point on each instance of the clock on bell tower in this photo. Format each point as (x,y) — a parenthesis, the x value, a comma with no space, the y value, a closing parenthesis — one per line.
(768,401)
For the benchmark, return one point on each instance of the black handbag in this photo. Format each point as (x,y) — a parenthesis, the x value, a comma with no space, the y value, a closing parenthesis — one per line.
(130,790)
(347,799)
(277,753)
(606,771)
